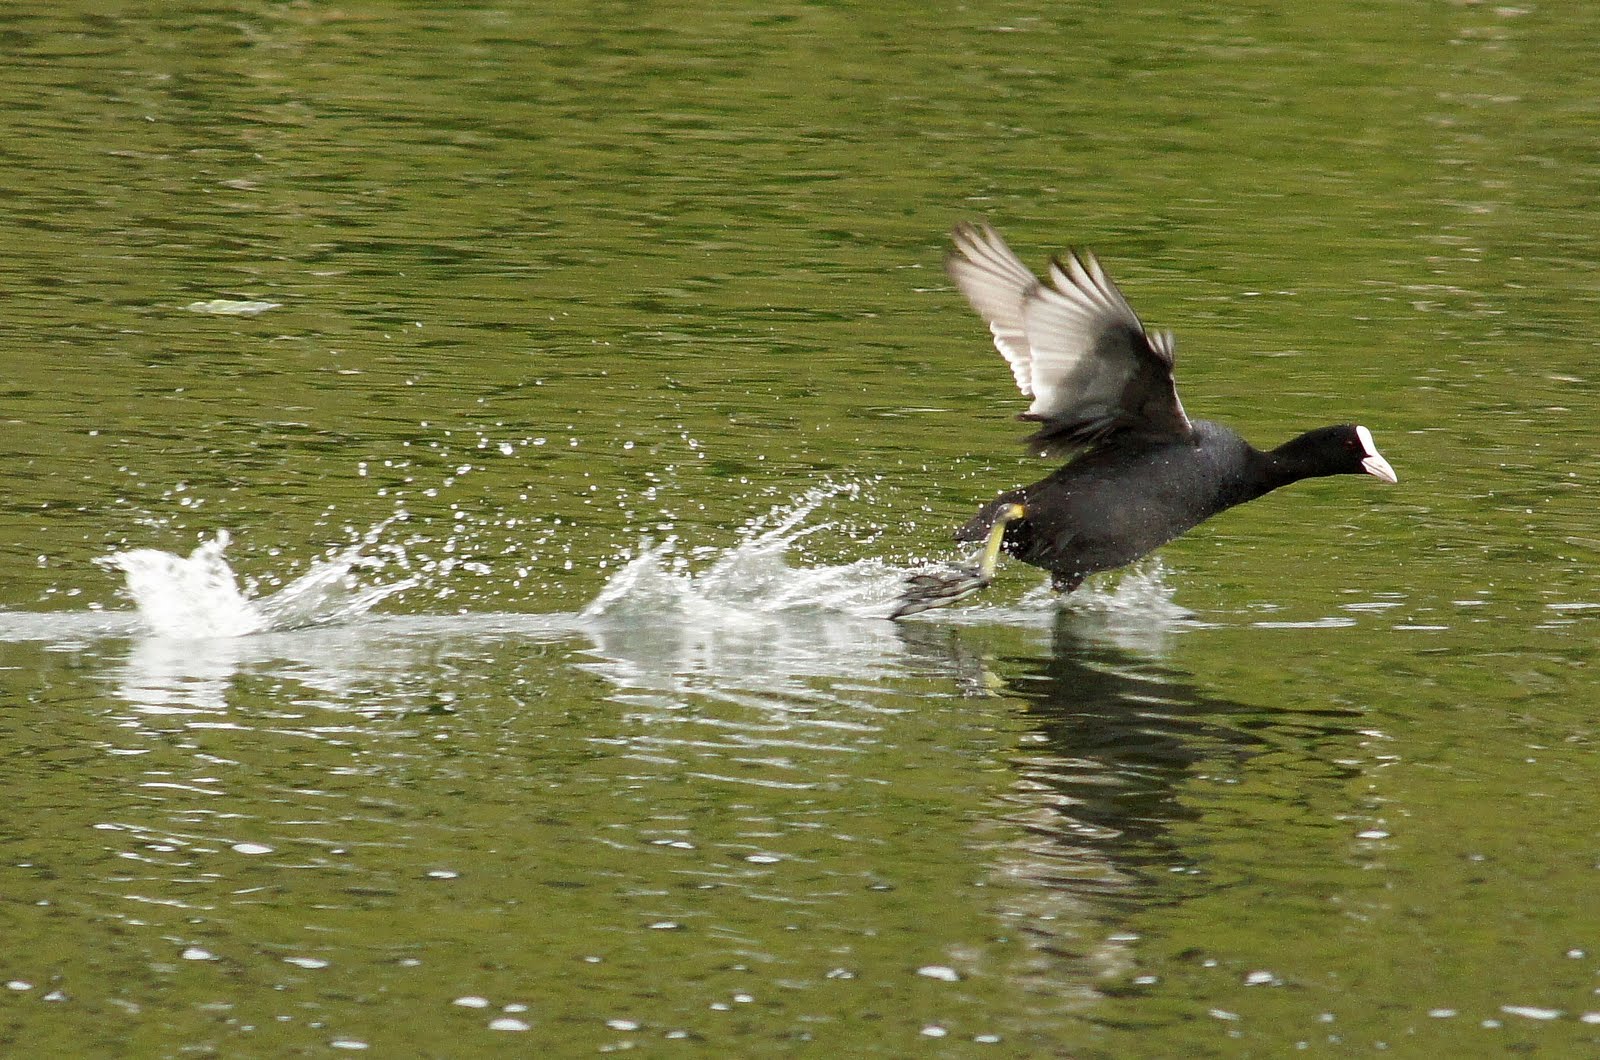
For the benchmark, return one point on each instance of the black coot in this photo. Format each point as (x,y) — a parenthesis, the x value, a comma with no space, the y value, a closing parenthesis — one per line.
(1102,389)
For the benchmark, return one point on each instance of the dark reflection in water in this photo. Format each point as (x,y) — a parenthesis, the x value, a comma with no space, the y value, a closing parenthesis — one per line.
(1115,735)
(1116,740)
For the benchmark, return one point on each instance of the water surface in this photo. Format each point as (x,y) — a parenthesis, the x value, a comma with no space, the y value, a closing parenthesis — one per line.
(574,387)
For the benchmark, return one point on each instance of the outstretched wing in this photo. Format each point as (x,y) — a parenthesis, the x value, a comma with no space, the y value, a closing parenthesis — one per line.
(1074,344)
(997,284)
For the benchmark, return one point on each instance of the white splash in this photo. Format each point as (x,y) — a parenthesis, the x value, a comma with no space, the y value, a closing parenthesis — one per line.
(1137,612)
(198,596)
(754,576)
(748,622)
(193,596)
(1140,592)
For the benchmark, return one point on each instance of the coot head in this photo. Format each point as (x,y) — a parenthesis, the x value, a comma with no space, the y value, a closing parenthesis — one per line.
(1346,449)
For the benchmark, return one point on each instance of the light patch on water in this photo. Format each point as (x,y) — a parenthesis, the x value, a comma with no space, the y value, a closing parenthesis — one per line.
(229,307)
(1139,596)
(1134,609)
(1330,622)
(674,614)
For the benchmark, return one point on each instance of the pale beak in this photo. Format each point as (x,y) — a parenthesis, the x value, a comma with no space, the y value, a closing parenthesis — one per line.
(1372,461)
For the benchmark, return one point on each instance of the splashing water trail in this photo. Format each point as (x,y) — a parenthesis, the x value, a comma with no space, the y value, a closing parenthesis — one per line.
(1141,591)
(753,584)
(335,589)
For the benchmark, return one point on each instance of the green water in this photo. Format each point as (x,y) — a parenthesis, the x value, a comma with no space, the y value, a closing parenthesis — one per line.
(553,281)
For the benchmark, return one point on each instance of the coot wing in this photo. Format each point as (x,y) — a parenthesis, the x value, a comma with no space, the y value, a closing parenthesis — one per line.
(996,282)
(1074,344)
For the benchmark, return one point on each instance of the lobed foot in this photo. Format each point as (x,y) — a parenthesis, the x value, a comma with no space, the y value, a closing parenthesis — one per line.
(936,588)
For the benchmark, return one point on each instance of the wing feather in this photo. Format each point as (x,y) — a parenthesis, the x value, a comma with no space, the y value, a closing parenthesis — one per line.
(996,282)
(1074,344)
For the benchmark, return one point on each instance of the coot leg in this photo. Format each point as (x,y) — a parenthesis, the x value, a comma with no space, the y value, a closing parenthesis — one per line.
(1065,583)
(938,588)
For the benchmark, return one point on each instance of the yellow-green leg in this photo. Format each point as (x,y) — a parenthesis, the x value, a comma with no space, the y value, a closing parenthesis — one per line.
(938,588)
(989,558)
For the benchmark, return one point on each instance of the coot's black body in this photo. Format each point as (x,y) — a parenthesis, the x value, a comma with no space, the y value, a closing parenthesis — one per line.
(1117,503)
(1142,472)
